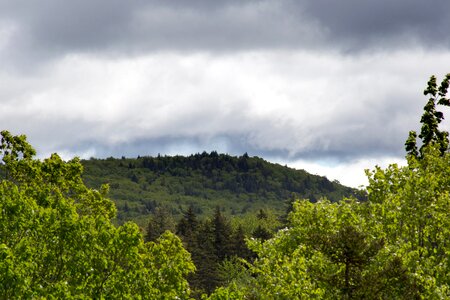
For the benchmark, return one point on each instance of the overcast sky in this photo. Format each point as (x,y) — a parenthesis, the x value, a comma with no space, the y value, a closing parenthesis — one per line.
(332,87)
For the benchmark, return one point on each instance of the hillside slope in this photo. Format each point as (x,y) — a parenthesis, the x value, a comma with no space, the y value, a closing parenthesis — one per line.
(204,181)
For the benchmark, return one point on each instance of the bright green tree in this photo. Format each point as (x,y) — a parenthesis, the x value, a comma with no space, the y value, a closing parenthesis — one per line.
(329,251)
(57,239)
(410,207)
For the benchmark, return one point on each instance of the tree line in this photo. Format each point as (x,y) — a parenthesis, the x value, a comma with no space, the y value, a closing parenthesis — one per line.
(241,185)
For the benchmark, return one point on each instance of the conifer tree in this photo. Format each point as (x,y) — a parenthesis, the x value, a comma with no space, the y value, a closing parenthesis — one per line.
(431,118)
(187,226)
(206,278)
(239,246)
(159,222)
(262,214)
(261,233)
(222,235)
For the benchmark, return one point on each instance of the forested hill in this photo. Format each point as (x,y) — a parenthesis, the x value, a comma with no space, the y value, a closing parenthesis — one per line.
(204,181)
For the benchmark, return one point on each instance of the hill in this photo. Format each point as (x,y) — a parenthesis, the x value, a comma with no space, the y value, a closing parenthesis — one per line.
(239,185)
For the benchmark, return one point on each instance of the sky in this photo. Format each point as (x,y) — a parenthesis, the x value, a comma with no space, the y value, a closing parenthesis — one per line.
(332,87)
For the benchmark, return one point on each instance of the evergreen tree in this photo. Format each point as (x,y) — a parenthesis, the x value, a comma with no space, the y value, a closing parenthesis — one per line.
(243,162)
(350,249)
(210,243)
(187,226)
(222,235)
(199,239)
(261,233)
(262,214)
(159,222)
(203,251)
(431,118)
(239,246)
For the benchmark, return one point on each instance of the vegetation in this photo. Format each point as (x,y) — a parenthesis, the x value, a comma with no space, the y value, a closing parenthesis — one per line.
(57,239)
(394,246)
(431,118)
(240,185)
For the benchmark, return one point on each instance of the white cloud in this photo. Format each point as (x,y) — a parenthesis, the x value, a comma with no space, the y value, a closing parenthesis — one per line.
(301,104)
(350,174)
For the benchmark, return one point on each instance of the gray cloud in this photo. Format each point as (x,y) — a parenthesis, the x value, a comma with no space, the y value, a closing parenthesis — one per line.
(53,27)
(365,24)
(50,28)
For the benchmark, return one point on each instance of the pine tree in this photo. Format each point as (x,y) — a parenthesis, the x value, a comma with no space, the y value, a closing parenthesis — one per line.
(222,235)
(239,246)
(187,226)
(211,246)
(203,252)
(159,222)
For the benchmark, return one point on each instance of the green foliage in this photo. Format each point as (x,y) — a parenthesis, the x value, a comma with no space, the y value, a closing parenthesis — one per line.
(210,243)
(393,246)
(410,205)
(254,223)
(160,221)
(329,251)
(232,292)
(218,249)
(431,118)
(410,144)
(204,181)
(57,239)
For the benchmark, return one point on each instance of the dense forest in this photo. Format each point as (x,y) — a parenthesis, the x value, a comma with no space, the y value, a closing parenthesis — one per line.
(212,201)
(239,185)
(58,239)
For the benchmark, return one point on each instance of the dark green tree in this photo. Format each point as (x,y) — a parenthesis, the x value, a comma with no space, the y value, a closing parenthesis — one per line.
(261,233)
(210,243)
(239,246)
(159,222)
(410,145)
(222,235)
(262,214)
(187,226)
(349,249)
(431,118)
(203,251)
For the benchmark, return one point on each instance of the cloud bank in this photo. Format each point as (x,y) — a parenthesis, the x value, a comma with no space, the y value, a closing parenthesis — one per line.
(321,84)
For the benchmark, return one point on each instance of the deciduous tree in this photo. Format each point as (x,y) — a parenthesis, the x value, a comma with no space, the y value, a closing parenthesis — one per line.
(57,239)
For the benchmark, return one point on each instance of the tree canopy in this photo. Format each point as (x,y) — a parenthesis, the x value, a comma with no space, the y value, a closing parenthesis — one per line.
(240,185)
(57,239)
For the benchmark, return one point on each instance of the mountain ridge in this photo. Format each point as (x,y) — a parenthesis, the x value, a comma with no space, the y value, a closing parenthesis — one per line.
(237,184)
